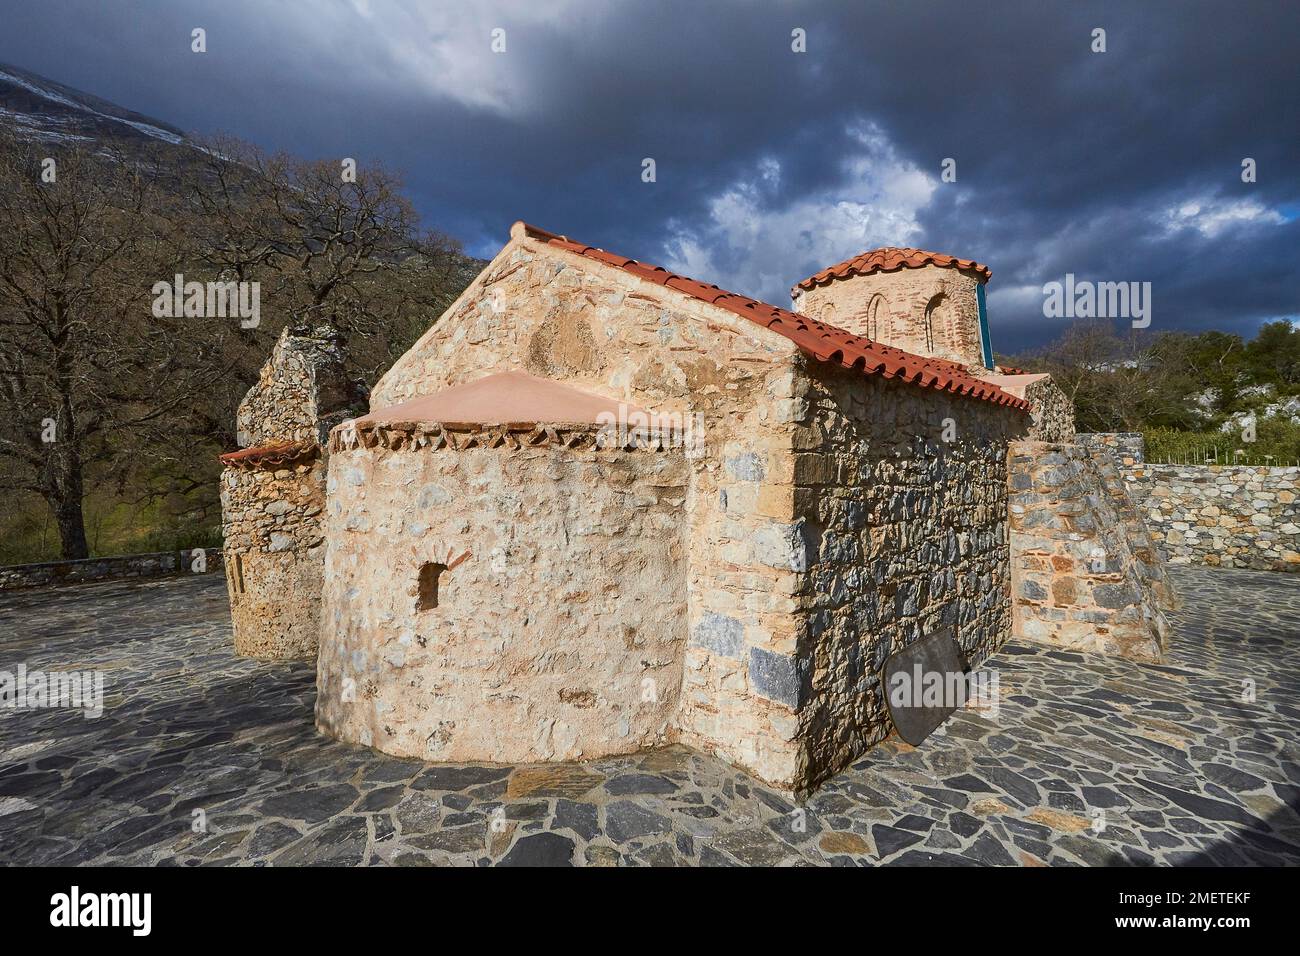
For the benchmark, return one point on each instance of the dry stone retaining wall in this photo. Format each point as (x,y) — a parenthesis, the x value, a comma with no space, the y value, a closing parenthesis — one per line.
(1232,516)
(1128,448)
(1083,576)
(152,565)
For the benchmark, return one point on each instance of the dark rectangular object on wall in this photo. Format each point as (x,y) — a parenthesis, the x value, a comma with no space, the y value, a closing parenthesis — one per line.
(905,677)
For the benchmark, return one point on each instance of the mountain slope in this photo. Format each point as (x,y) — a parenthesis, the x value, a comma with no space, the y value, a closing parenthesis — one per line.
(38,108)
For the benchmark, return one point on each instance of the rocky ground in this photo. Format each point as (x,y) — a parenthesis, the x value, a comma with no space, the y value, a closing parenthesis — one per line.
(202,757)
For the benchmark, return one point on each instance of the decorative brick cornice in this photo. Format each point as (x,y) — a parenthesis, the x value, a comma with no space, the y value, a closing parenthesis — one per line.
(272,456)
(510,436)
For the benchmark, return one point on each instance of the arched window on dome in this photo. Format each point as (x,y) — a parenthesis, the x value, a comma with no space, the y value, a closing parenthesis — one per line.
(877,311)
(936,316)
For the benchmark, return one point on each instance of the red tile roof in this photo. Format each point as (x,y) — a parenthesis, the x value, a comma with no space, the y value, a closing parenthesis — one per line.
(891,259)
(508,397)
(823,342)
(271,455)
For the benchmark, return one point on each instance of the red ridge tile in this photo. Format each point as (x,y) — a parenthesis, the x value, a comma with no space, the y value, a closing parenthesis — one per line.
(891,259)
(270,455)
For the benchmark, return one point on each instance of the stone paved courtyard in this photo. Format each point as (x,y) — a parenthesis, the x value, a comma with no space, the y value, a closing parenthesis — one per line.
(1182,770)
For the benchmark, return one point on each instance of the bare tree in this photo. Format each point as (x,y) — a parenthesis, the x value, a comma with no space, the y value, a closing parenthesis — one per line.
(332,246)
(84,363)
(1117,382)
(105,390)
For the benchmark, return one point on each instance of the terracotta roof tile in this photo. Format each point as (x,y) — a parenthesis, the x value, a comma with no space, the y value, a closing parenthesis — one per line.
(826,343)
(891,259)
(506,397)
(271,455)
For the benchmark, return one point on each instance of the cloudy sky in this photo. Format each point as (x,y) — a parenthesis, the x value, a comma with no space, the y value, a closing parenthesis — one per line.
(1123,165)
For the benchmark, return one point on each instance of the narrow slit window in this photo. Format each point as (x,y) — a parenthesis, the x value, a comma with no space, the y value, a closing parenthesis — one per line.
(428,585)
(936,313)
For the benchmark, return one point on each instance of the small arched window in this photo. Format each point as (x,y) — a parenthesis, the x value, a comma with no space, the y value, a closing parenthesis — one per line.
(427,586)
(936,312)
(876,310)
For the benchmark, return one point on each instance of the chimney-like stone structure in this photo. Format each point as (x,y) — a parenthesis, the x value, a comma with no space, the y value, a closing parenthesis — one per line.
(273,493)
(926,303)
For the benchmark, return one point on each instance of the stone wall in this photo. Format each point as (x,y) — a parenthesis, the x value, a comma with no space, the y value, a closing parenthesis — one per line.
(86,570)
(1233,516)
(504,602)
(1052,411)
(1151,565)
(1128,448)
(1082,571)
(557,315)
(907,534)
(273,494)
(274,555)
(900,318)
(302,392)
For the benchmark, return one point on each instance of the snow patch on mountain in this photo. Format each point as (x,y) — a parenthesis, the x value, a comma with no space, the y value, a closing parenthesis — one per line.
(45,110)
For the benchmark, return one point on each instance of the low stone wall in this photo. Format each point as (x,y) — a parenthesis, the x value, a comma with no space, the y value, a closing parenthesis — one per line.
(1129,448)
(1234,516)
(1083,572)
(153,565)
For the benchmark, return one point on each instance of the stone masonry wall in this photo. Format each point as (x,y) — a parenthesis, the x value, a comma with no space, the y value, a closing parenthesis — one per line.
(560,619)
(271,512)
(1234,516)
(557,315)
(1150,560)
(117,567)
(274,557)
(1078,582)
(302,392)
(1052,412)
(1128,448)
(846,303)
(907,534)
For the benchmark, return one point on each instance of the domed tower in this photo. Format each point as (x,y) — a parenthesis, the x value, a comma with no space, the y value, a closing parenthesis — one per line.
(927,303)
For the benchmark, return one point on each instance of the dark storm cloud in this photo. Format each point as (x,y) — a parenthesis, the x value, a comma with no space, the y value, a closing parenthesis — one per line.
(1123,165)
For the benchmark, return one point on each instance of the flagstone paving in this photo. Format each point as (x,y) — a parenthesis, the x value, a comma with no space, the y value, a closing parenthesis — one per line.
(203,758)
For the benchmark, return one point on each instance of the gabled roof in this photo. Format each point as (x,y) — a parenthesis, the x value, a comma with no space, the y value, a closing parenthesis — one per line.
(891,259)
(826,343)
(506,398)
